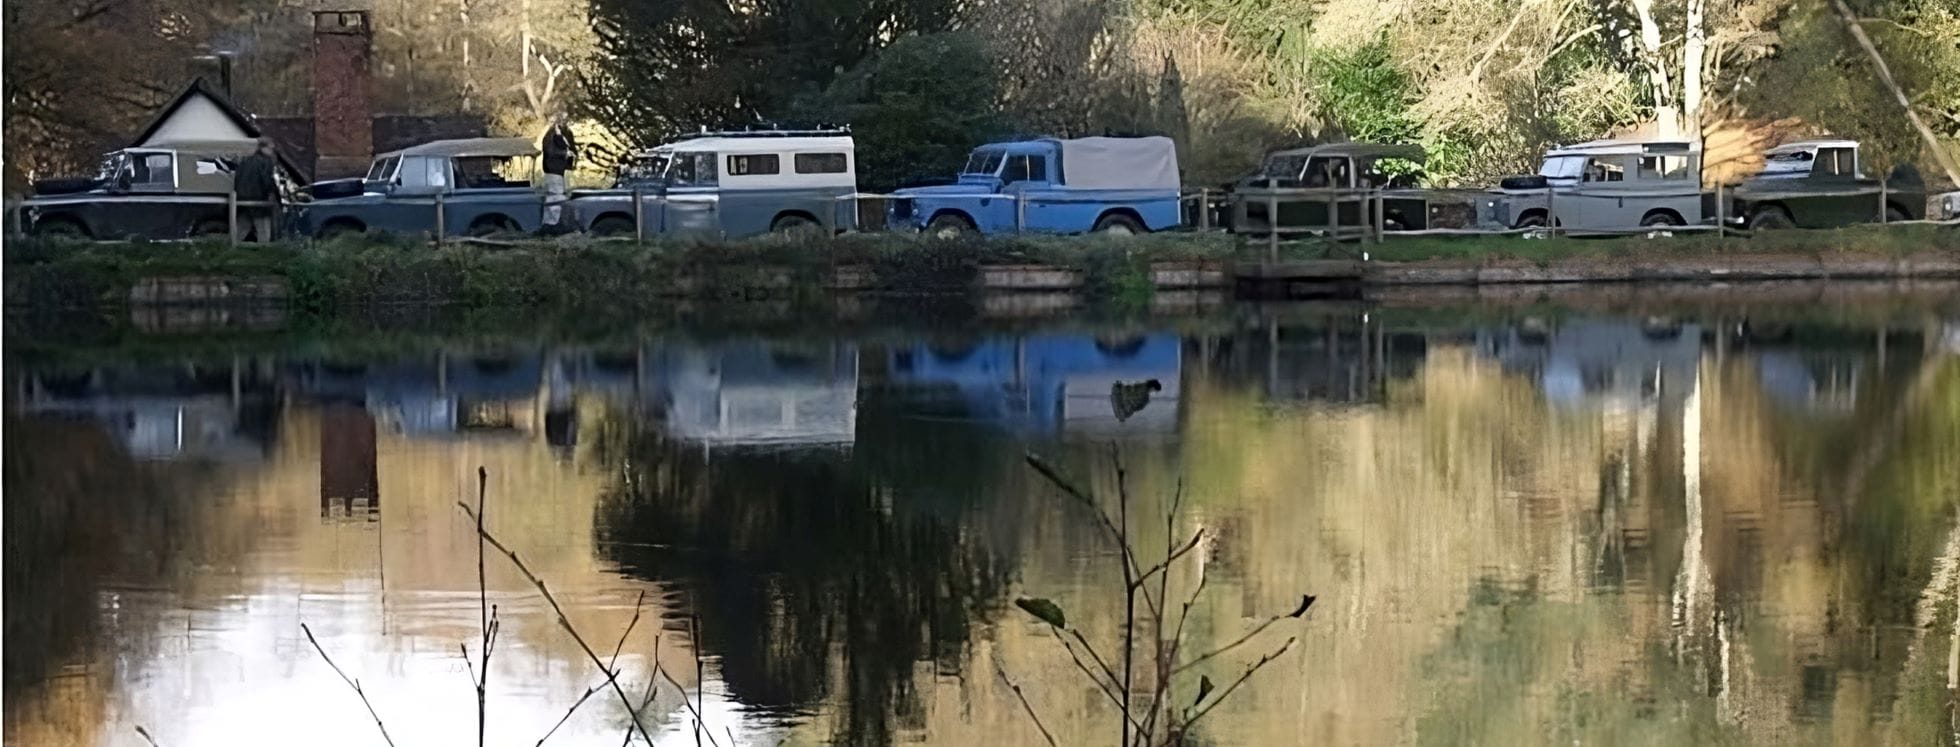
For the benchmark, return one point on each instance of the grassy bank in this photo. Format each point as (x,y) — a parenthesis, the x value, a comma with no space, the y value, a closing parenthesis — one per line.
(368,271)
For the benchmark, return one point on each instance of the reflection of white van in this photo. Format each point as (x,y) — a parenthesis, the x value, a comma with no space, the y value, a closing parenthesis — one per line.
(733,184)
(1606,184)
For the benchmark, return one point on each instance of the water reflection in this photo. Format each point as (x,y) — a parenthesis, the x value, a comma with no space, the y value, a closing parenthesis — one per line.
(1525,526)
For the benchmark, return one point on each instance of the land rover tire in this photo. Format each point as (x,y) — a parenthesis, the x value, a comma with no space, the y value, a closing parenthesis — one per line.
(1661,219)
(340,227)
(612,225)
(1770,218)
(491,225)
(61,227)
(1119,224)
(795,225)
(1531,220)
(1895,215)
(949,226)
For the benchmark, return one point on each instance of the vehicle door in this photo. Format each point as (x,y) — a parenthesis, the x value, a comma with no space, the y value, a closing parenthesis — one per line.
(1596,202)
(1842,199)
(1033,204)
(149,206)
(1308,209)
(489,188)
(692,195)
(1670,181)
(410,207)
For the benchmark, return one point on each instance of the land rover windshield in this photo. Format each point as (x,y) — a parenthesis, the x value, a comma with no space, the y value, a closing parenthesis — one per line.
(1563,167)
(985,161)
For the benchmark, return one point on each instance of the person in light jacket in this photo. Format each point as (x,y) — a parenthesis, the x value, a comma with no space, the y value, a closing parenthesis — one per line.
(560,150)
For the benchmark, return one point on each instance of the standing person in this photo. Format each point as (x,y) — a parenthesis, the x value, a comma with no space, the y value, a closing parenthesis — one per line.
(256,181)
(559,152)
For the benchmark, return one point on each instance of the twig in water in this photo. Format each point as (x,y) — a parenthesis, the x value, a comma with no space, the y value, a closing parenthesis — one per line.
(146,736)
(612,665)
(646,698)
(351,682)
(612,679)
(1000,668)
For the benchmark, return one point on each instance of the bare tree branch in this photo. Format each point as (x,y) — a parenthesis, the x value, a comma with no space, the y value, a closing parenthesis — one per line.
(351,682)
(1000,668)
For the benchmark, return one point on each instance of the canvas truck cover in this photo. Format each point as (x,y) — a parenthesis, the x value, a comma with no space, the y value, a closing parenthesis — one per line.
(1119,163)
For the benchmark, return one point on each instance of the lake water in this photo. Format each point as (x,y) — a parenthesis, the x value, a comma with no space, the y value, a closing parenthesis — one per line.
(1705,515)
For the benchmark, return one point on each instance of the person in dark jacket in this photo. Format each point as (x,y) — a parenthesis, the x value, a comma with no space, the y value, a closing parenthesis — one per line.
(560,150)
(256,180)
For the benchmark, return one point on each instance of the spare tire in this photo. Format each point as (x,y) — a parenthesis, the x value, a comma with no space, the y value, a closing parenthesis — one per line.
(64,185)
(1524,182)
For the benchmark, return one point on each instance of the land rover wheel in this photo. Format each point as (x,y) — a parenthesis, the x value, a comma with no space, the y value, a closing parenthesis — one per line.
(210,228)
(339,228)
(948,226)
(1661,220)
(491,226)
(1534,220)
(796,226)
(60,228)
(1895,215)
(1118,224)
(1770,219)
(612,225)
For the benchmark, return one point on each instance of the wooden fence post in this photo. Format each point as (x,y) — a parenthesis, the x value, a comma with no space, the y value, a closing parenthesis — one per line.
(639,216)
(1204,208)
(1551,212)
(1020,212)
(1272,220)
(231,216)
(1333,215)
(440,223)
(1721,212)
(1884,197)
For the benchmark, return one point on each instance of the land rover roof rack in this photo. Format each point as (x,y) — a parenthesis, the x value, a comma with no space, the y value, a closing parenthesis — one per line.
(771,132)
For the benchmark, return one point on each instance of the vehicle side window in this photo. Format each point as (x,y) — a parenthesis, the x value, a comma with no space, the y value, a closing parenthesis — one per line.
(755,164)
(1023,168)
(822,163)
(382,169)
(1835,162)
(1605,171)
(1328,171)
(693,169)
(1663,167)
(153,170)
(440,171)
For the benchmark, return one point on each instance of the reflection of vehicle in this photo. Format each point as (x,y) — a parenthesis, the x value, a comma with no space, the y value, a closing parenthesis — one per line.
(483,185)
(751,394)
(1048,382)
(737,184)
(1821,184)
(1394,169)
(1107,184)
(1604,185)
(1600,361)
(168,191)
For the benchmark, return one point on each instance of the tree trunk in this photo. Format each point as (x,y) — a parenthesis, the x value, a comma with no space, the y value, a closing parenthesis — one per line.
(1905,102)
(1694,53)
(1667,112)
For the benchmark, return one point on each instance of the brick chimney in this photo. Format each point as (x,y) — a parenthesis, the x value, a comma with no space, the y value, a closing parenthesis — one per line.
(343,116)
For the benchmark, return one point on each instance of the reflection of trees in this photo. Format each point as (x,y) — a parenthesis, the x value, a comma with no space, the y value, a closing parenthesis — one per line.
(790,557)
(81,516)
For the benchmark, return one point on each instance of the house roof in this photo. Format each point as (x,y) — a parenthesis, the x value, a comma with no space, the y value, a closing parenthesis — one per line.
(238,116)
(492,147)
